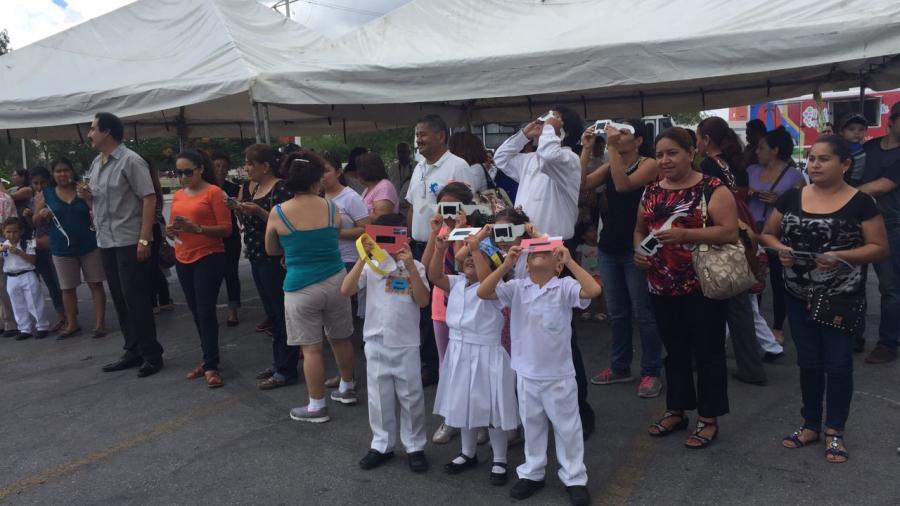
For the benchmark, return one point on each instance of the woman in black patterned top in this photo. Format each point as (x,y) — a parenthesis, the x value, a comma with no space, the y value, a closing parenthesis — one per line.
(833,219)
(258,197)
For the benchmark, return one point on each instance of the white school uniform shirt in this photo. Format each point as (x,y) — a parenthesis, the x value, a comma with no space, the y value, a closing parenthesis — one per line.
(540,325)
(472,319)
(15,263)
(428,180)
(549,180)
(391,312)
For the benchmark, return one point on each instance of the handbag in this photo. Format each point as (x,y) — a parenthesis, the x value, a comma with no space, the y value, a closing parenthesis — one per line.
(722,269)
(842,312)
(494,197)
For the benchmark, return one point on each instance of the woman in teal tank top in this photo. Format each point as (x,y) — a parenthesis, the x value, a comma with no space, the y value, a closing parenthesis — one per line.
(305,230)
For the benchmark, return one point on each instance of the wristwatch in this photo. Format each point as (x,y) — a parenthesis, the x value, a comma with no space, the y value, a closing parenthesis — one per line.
(143,242)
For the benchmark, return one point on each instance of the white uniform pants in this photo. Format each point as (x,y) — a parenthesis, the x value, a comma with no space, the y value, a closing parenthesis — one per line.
(545,402)
(764,334)
(394,376)
(27,302)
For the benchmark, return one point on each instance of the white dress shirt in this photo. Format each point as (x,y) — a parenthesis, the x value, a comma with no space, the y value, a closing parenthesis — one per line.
(391,312)
(549,180)
(472,319)
(540,325)
(428,180)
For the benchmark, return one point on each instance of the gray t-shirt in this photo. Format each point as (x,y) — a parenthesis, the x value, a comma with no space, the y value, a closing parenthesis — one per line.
(118,188)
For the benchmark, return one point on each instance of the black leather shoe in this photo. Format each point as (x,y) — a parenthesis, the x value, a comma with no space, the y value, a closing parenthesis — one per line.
(41,334)
(11,333)
(579,495)
(374,459)
(468,463)
(149,369)
(499,479)
(524,488)
(22,336)
(122,364)
(770,357)
(417,462)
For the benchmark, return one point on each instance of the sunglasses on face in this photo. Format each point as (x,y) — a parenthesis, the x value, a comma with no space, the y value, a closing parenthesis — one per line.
(185,172)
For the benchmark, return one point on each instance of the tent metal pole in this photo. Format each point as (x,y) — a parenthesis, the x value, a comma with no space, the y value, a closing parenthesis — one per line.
(255,113)
(862,93)
(287,9)
(24,155)
(266,124)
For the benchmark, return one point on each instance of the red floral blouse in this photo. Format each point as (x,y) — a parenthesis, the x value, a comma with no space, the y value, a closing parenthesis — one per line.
(672,271)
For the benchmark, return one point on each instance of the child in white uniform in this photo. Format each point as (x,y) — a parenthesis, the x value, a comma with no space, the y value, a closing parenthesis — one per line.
(477,385)
(22,282)
(393,368)
(541,313)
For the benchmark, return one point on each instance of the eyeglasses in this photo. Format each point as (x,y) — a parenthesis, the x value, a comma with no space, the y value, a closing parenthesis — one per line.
(185,172)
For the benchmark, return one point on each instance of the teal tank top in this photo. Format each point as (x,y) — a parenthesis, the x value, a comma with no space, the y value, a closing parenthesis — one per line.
(311,256)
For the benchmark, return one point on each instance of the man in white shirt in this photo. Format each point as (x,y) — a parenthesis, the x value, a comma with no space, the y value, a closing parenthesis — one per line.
(550,178)
(549,182)
(438,168)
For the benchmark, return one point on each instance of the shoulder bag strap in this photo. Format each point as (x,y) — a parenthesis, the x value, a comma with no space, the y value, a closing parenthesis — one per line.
(487,176)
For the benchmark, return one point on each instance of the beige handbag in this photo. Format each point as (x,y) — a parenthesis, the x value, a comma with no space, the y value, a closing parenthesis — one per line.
(722,269)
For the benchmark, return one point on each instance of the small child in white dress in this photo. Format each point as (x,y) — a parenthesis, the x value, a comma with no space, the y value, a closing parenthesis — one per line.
(477,386)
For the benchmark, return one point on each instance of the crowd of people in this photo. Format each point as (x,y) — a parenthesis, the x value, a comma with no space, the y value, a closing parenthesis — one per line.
(640,221)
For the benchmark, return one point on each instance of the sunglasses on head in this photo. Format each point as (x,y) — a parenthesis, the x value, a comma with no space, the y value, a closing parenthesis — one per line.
(185,172)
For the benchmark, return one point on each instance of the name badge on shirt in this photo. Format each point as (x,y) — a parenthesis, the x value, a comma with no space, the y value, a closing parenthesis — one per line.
(399,286)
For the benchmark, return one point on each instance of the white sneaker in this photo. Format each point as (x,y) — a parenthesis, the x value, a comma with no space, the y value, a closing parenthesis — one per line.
(444,434)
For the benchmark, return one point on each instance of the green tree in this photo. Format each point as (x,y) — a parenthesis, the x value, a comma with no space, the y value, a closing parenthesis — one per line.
(688,118)
(4,42)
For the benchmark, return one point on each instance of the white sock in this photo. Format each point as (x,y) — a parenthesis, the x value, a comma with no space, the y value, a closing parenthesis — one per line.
(469,439)
(346,385)
(316,404)
(499,439)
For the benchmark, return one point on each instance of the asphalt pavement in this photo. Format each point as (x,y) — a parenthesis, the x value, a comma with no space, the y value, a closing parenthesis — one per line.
(71,434)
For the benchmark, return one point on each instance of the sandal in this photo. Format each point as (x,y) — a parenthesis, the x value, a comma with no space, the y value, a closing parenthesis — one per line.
(662,430)
(834,452)
(195,373)
(796,442)
(213,380)
(703,440)
(65,334)
(59,325)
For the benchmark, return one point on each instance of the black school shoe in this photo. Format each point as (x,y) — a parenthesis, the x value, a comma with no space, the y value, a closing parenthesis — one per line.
(374,459)
(525,488)
(579,495)
(22,336)
(417,462)
(11,333)
(499,479)
(468,463)
(41,334)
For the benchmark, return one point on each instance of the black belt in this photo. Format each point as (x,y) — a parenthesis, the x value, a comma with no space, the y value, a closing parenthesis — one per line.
(14,274)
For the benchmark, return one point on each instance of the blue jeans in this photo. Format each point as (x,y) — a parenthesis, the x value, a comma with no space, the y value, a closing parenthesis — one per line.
(825,357)
(888,271)
(627,296)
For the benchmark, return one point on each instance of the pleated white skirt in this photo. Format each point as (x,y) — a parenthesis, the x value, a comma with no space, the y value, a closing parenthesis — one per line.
(477,387)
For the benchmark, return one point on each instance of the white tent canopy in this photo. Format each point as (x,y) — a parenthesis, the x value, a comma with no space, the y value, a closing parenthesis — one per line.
(509,60)
(168,67)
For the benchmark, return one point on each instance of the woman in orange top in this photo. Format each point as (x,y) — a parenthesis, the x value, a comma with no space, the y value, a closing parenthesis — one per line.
(198,221)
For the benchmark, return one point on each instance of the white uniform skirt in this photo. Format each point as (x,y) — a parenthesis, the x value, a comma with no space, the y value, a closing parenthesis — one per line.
(477,387)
